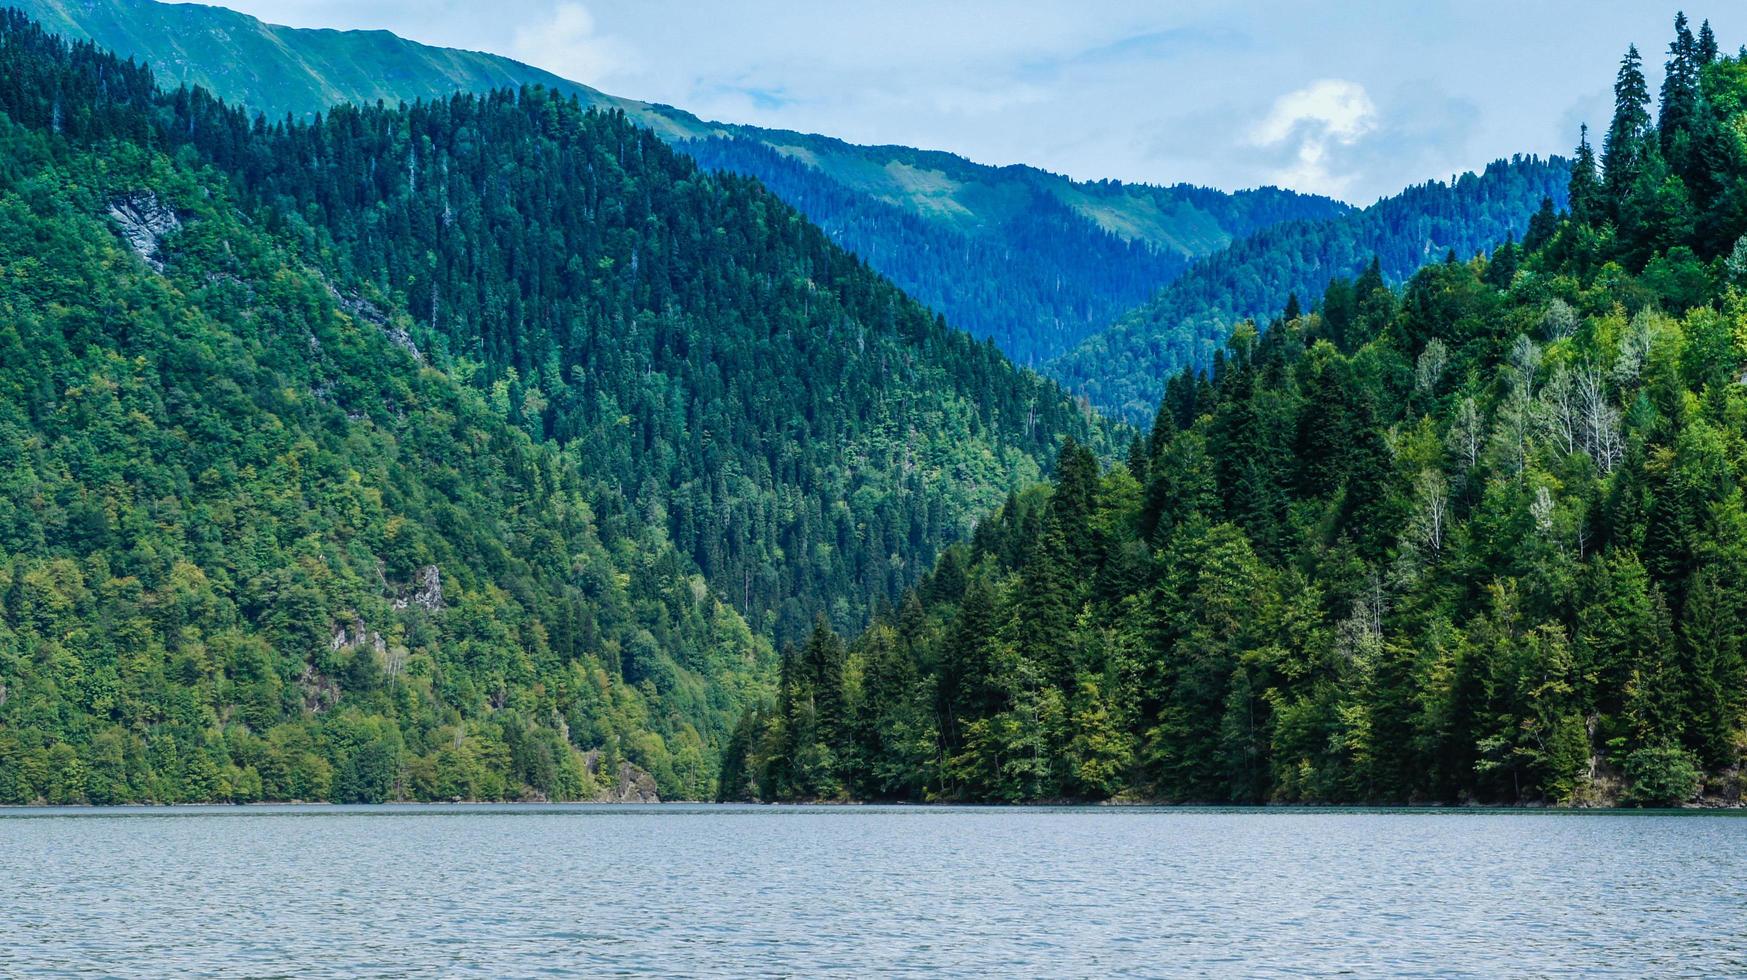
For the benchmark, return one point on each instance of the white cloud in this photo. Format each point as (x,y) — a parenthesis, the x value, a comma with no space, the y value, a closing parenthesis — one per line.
(1312,121)
(568,45)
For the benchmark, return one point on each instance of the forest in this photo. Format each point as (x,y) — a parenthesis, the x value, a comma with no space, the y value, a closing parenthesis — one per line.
(1040,280)
(1480,539)
(1122,369)
(1033,260)
(461,449)
(1036,286)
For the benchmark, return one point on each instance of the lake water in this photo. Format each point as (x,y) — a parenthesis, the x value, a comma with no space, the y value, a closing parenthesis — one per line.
(692,890)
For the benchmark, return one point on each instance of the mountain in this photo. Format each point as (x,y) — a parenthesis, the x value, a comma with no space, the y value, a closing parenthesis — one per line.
(1031,259)
(1482,540)
(425,451)
(1123,369)
(254,545)
(1027,258)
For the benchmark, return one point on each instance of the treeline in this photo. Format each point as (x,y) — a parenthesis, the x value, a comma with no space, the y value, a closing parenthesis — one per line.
(1123,369)
(1480,540)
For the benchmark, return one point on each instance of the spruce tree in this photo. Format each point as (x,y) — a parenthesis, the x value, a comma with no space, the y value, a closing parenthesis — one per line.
(1623,148)
(1707,45)
(1587,205)
(1541,226)
(1679,87)
(1046,607)
(1074,502)
(1714,639)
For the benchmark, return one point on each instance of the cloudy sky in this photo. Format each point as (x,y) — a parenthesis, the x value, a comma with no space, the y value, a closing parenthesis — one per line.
(1353,100)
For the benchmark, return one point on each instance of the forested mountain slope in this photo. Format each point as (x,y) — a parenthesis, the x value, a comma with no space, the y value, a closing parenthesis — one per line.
(1483,539)
(502,337)
(805,432)
(1025,257)
(1123,369)
(251,547)
(1029,258)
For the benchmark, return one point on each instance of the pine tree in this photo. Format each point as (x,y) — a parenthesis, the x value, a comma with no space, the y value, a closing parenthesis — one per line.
(1587,204)
(1707,45)
(1616,628)
(965,693)
(1074,502)
(1046,607)
(1655,703)
(1679,90)
(1716,663)
(824,658)
(1623,148)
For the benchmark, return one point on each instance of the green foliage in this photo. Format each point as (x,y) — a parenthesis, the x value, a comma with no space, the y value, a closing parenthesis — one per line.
(801,431)
(1660,776)
(1482,540)
(422,451)
(251,548)
(1034,273)
(1122,369)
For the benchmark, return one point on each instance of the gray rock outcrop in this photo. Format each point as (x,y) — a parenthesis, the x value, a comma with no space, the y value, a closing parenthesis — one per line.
(144,220)
(631,784)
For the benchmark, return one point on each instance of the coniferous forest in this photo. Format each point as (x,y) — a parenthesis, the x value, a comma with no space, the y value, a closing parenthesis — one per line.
(420,452)
(488,447)
(1123,369)
(1482,539)
(1039,283)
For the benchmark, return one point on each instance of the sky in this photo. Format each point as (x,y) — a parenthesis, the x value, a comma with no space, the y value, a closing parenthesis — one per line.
(1351,100)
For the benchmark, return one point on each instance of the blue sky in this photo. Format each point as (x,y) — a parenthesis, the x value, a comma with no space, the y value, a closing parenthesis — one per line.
(1352,100)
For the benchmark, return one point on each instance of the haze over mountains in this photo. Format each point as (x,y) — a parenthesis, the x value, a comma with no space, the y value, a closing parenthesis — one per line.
(1123,369)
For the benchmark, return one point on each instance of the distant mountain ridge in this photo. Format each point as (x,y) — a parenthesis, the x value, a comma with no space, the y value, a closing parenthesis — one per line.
(969,239)
(1123,370)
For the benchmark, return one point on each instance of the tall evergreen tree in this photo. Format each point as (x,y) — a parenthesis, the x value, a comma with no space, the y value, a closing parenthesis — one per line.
(1623,147)
(1587,205)
(1680,90)
(1707,45)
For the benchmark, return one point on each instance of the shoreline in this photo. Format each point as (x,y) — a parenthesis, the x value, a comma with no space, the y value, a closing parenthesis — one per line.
(403,806)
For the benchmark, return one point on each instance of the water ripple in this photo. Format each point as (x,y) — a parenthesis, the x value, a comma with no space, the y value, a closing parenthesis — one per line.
(803,891)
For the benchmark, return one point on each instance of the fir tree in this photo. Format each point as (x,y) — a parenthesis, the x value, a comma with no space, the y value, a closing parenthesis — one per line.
(1680,91)
(1587,205)
(1623,147)
(1707,45)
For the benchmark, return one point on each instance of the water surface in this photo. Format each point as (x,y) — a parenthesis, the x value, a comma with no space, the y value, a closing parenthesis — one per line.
(706,890)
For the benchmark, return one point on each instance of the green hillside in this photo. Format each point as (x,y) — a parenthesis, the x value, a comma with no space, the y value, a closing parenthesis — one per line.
(540,363)
(1479,540)
(251,547)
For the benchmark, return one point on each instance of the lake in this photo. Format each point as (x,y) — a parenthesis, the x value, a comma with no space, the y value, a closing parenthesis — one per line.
(725,890)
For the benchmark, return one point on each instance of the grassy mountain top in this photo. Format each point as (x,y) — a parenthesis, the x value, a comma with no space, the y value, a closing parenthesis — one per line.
(300,71)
